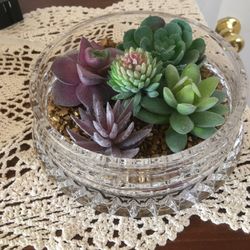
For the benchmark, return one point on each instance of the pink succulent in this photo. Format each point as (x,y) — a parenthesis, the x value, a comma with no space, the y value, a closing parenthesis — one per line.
(81,75)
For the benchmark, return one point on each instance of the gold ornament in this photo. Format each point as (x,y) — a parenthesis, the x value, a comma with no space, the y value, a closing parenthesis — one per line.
(236,41)
(231,24)
(229,28)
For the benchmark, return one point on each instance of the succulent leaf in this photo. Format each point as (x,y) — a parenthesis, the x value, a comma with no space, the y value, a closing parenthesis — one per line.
(178,86)
(143,32)
(90,145)
(97,58)
(110,117)
(206,103)
(173,28)
(122,96)
(192,71)
(75,136)
(186,108)
(175,141)
(152,118)
(169,97)
(220,109)
(191,56)
(220,95)
(198,44)
(195,89)
(146,44)
(185,95)
(187,38)
(128,39)
(129,153)
(183,24)
(135,138)
(156,105)
(101,141)
(203,133)
(124,110)
(64,95)
(85,93)
(179,54)
(207,119)
(87,77)
(123,122)
(153,94)
(182,124)
(153,22)
(152,87)
(137,99)
(160,36)
(85,125)
(99,112)
(208,86)
(125,134)
(64,67)
(171,76)
(136,103)
(99,128)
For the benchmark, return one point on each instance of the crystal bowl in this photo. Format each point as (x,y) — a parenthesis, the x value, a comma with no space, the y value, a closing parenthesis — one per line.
(148,186)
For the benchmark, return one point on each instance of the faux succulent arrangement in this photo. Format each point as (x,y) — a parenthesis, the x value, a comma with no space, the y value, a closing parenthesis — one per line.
(153,77)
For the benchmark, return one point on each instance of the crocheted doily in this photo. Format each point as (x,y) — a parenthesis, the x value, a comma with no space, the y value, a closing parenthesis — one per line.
(33,211)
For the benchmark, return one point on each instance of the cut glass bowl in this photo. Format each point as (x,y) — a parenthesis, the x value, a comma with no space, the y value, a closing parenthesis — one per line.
(149,186)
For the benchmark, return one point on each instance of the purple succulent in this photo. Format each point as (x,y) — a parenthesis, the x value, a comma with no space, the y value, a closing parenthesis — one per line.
(82,75)
(111,132)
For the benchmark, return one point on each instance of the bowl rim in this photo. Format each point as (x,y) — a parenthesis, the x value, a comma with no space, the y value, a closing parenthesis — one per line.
(128,163)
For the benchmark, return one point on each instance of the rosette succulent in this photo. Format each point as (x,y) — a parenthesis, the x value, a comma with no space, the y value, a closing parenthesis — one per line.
(81,75)
(110,132)
(135,74)
(172,43)
(189,105)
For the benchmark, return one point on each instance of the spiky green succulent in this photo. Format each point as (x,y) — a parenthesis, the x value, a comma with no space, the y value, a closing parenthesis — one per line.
(189,105)
(172,42)
(135,74)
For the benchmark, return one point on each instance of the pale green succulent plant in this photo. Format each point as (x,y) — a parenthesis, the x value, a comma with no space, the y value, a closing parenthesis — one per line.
(189,105)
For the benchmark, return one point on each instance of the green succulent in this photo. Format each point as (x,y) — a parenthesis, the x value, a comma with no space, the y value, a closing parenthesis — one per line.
(135,74)
(189,105)
(172,43)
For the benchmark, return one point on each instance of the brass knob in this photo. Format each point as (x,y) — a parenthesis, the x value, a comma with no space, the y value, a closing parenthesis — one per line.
(229,28)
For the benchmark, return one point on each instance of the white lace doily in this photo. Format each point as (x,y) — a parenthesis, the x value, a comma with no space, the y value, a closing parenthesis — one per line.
(32,209)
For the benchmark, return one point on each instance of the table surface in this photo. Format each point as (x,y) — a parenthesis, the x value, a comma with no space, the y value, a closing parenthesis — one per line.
(199,235)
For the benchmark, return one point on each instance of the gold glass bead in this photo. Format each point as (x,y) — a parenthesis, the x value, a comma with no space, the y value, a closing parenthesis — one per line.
(236,41)
(231,24)
(229,28)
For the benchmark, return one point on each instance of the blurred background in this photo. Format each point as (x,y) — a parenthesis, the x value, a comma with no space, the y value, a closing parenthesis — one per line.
(213,10)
